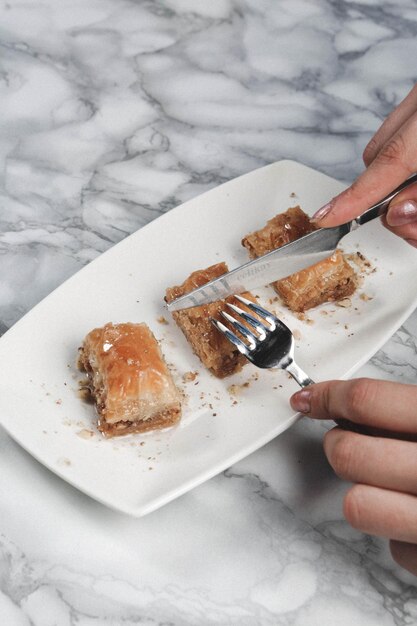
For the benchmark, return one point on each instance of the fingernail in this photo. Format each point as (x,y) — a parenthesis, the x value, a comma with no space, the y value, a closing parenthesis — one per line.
(402,213)
(321,213)
(412,242)
(301,401)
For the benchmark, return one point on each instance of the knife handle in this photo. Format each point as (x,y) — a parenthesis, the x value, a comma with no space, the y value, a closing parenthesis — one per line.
(381,207)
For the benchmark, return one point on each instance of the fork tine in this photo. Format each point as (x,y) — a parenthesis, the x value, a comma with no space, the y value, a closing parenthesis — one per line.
(256,308)
(241,328)
(240,345)
(262,330)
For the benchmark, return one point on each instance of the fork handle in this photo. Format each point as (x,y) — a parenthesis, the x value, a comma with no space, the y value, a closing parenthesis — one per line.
(299,375)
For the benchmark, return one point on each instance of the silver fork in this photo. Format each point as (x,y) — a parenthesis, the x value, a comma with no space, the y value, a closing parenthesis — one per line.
(270,346)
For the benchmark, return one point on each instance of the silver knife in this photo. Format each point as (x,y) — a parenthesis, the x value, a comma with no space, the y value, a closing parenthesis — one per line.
(283,261)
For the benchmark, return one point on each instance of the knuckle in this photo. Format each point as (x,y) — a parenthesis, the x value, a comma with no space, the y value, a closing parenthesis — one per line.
(392,152)
(360,395)
(353,508)
(358,190)
(342,455)
(325,399)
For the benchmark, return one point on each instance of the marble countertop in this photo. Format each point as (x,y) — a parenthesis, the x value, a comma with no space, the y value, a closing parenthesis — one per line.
(111,113)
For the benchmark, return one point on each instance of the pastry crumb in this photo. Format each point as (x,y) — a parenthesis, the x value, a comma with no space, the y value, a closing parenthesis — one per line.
(162,320)
(84,393)
(64,461)
(296,334)
(189,377)
(365,297)
(234,390)
(360,261)
(85,433)
(345,303)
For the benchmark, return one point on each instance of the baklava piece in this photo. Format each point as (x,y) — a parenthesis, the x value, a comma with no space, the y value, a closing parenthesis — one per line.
(128,380)
(278,231)
(213,349)
(329,280)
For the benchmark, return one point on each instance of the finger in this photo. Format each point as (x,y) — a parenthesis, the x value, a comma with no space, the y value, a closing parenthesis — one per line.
(405,554)
(382,512)
(376,403)
(402,211)
(358,459)
(391,125)
(408,232)
(396,160)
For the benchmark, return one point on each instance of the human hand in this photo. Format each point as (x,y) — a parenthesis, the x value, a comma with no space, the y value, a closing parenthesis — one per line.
(390,157)
(383,464)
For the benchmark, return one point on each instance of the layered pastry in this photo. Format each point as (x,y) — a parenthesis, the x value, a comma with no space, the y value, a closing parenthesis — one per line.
(213,349)
(278,231)
(329,280)
(128,379)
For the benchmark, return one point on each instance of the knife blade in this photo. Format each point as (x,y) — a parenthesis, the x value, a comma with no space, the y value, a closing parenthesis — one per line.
(266,269)
(283,261)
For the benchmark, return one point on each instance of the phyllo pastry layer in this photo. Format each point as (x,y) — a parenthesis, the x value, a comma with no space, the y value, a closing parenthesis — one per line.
(328,281)
(278,231)
(128,379)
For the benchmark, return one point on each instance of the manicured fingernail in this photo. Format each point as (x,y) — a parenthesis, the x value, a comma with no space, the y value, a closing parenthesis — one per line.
(301,401)
(321,213)
(412,242)
(402,213)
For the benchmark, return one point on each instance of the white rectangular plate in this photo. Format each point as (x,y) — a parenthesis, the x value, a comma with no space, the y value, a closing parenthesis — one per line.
(39,403)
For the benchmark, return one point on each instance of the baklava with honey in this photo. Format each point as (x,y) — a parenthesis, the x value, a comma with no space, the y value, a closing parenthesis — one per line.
(128,379)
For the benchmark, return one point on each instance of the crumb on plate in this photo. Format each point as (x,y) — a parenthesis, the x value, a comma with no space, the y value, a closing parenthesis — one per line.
(189,377)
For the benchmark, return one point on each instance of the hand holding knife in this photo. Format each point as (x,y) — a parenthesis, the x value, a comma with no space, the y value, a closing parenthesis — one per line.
(283,261)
